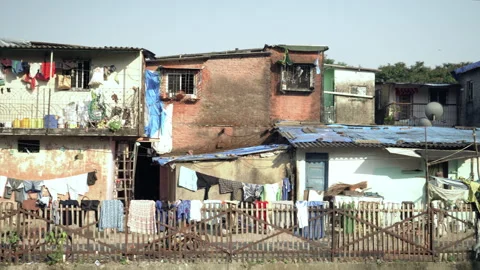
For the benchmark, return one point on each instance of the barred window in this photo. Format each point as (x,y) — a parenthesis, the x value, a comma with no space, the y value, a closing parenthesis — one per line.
(181,80)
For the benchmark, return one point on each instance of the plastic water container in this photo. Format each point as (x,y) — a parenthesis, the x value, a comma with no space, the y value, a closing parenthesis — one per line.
(50,121)
(16,123)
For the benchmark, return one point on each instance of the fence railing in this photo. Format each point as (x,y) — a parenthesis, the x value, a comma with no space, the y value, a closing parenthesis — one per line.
(409,114)
(57,110)
(244,232)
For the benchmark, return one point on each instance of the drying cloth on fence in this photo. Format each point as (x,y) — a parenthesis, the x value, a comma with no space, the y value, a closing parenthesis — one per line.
(447,195)
(271,192)
(141,217)
(302,214)
(34,187)
(111,215)
(162,214)
(15,186)
(55,187)
(208,205)
(315,229)
(187,178)
(252,192)
(3,183)
(77,185)
(473,187)
(286,188)
(195,210)
(261,213)
(183,210)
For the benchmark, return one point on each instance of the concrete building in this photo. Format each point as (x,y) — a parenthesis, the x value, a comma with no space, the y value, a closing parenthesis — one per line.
(349,95)
(67,110)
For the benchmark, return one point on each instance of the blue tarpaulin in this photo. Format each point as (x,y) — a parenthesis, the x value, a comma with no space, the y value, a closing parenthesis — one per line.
(155,108)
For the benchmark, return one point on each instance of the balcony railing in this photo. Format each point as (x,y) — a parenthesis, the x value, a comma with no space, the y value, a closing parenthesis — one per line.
(409,114)
(50,112)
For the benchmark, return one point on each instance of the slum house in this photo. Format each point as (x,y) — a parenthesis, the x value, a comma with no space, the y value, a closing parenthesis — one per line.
(201,177)
(349,95)
(403,104)
(469,79)
(68,111)
(389,159)
(224,100)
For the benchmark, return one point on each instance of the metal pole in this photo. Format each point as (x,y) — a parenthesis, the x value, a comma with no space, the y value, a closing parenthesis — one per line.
(476,151)
(426,168)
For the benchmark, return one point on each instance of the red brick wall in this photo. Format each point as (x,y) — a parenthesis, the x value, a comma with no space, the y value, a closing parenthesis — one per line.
(238,102)
(291,105)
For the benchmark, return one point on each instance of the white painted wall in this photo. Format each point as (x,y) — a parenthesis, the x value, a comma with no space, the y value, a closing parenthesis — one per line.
(383,171)
(21,102)
(355,78)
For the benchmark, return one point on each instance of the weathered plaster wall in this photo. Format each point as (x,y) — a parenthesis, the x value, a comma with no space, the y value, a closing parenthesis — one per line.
(251,169)
(57,159)
(354,110)
(384,172)
(23,102)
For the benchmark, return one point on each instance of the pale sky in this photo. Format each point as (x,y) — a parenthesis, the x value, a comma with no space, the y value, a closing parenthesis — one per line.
(359,32)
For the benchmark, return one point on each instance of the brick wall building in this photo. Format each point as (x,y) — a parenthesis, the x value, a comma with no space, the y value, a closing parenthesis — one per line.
(231,99)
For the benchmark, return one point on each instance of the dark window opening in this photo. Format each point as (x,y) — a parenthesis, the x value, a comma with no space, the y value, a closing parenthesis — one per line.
(28,146)
(297,78)
(80,74)
(439,96)
(181,80)
(469,91)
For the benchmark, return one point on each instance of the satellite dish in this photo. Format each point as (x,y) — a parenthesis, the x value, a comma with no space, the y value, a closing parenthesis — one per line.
(424,122)
(434,110)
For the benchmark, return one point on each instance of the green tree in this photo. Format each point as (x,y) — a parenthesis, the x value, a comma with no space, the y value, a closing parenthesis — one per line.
(417,73)
(330,61)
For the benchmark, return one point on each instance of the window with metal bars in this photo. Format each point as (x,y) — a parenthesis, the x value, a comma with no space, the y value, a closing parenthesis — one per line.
(181,80)
(80,74)
(297,77)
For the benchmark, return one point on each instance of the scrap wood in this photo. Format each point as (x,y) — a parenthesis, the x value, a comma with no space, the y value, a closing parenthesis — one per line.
(339,188)
(361,185)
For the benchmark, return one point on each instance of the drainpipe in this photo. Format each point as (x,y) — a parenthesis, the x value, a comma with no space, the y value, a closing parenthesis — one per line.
(49,93)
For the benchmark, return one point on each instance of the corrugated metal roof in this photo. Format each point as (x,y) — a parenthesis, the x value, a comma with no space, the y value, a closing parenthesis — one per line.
(224,155)
(464,69)
(37,45)
(333,66)
(299,48)
(375,136)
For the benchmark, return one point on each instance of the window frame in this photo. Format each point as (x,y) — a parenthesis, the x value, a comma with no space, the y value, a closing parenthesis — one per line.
(85,76)
(28,146)
(437,93)
(285,86)
(180,73)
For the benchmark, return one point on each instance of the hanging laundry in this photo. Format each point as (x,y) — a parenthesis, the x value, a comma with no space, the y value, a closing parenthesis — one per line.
(206,181)
(271,192)
(77,185)
(161,214)
(47,71)
(17,67)
(141,217)
(315,229)
(67,65)
(34,187)
(261,214)
(15,186)
(34,69)
(111,215)
(6,63)
(195,210)
(302,214)
(183,210)
(2,77)
(286,188)
(97,77)
(187,178)
(252,192)
(56,186)
(3,183)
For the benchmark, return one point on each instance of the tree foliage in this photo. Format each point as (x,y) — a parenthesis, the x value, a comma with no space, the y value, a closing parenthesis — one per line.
(417,73)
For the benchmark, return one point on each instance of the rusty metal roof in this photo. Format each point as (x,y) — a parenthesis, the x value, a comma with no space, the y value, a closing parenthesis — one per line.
(38,45)
(374,136)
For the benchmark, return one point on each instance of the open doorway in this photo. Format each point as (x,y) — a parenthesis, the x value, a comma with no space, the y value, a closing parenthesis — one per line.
(147,184)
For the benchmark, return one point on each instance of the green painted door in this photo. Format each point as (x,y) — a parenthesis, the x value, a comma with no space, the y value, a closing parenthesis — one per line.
(316,171)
